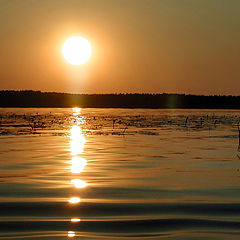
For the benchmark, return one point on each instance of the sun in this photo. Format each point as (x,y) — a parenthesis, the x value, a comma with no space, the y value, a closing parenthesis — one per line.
(77,50)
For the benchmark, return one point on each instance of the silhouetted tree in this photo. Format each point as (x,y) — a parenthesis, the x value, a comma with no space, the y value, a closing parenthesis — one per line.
(53,99)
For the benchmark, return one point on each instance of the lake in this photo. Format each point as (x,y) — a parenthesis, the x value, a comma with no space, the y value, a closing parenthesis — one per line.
(119,174)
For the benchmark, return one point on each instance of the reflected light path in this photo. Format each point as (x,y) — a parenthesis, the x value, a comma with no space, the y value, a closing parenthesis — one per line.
(78,183)
(76,111)
(77,140)
(75,220)
(77,164)
(71,234)
(77,144)
(74,200)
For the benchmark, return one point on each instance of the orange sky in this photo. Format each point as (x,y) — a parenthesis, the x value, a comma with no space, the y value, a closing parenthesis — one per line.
(150,46)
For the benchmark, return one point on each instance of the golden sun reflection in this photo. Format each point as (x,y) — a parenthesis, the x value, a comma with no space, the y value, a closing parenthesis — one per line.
(74,200)
(77,146)
(71,234)
(75,220)
(75,131)
(78,140)
(76,111)
(78,183)
(78,164)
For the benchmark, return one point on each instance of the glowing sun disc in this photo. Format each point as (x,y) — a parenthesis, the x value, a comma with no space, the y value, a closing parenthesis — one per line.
(76,50)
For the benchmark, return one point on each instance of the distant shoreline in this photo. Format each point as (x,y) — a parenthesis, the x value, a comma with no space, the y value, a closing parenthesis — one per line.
(38,99)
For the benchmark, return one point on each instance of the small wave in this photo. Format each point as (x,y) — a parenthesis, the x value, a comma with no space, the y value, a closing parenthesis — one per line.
(130,226)
(98,210)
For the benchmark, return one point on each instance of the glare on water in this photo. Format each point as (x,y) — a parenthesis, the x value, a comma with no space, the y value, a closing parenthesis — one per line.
(78,183)
(71,234)
(77,140)
(74,200)
(77,164)
(76,111)
(75,220)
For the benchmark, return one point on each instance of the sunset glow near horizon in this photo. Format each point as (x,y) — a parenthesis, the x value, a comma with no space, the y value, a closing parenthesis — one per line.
(142,46)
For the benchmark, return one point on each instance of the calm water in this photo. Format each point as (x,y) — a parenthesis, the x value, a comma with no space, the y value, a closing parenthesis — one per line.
(119,174)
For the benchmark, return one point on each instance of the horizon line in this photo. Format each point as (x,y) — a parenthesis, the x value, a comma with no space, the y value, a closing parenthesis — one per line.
(120,93)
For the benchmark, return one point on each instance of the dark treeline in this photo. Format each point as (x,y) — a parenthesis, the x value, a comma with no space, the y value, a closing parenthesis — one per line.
(52,99)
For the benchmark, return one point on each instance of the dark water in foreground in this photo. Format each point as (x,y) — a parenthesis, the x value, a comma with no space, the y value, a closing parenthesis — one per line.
(68,174)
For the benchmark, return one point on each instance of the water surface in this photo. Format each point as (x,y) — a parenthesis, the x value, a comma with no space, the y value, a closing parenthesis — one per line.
(119,174)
